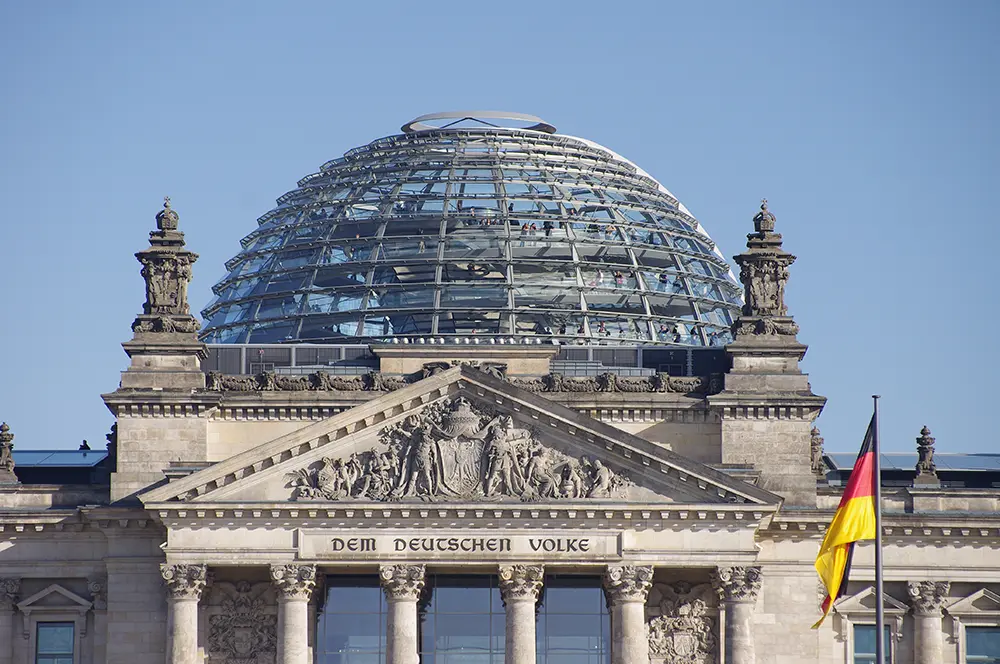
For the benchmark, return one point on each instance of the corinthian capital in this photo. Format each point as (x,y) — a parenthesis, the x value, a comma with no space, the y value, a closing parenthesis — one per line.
(9,589)
(294,581)
(737,584)
(927,597)
(402,582)
(627,583)
(521,582)
(184,581)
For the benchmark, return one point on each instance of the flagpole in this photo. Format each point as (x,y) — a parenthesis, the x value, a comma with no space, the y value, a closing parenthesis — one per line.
(879,596)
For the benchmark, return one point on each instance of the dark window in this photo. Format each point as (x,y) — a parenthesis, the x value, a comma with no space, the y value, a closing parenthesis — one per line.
(864,645)
(463,621)
(982,645)
(54,643)
(573,625)
(351,629)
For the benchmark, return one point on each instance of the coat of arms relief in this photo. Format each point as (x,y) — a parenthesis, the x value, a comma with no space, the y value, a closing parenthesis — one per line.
(682,623)
(453,450)
(242,624)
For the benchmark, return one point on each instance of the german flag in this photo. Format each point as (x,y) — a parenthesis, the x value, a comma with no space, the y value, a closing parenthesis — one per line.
(853,522)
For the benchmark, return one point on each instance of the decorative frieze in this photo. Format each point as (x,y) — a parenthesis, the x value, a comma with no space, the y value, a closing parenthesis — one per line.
(453,450)
(737,584)
(184,581)
(294,581)
(402,582)
(244,629)
(521,582)
(682,623)
(376,381)
(927,597)
(627,583)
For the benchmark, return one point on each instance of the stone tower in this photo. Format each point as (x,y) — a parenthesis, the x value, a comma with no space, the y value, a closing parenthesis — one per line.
(767,407)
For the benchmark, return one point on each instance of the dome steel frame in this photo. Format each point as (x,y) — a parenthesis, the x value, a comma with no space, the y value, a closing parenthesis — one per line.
(474,233)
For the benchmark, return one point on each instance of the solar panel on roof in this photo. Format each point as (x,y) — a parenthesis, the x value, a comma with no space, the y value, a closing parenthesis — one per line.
(902,461)
(58,458)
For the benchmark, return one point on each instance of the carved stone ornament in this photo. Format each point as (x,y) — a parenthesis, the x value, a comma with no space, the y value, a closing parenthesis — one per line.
(925,453)
(294,581)
(166,269)
(454,451)
(98,589)
(737,584)
(627,583)
(764,274)
(927,597)
(402,582)
(6,451)
(9,590)
(682,626)
(816,453)
(244,632)
(375,381)
(184,581)
(521,582)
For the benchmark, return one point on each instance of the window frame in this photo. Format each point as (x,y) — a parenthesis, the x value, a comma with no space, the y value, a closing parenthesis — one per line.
(74,655)
(854,610)
(964,613)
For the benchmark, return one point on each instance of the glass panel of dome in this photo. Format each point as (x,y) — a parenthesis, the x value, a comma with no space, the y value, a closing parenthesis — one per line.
(329,277)
(273,332)
(279,307)
(611,301)
(475,296)
(413,273)
(331,303)
(408,298)
(281,283)
(546,298)
(327,327)
(473,246)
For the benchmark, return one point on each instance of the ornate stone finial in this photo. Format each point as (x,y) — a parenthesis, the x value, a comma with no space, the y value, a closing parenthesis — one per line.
(816,453)
(764,273)
(926,470)
(402,582)
(763,221)
(627,583)
(737,584)
(184,581)
(166,219)
(6,454)
(294,581)
(927,597)
(521,582)
(98,588)
(9,590)
(166,268)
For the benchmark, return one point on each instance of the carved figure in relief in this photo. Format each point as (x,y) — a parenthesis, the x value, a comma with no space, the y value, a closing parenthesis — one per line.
(244,632)
(453,450)
(682,628)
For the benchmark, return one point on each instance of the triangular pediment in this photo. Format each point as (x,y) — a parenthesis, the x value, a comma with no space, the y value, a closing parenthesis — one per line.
(864,603)
(983,602)
(54,596)
(460,436)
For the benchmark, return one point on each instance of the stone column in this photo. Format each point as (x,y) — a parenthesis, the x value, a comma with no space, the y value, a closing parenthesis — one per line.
(402,585)
(185,584)
(927,598)
(98,587)
(9,589)
(626,588)
(519,588)
(295,584)
(738,588)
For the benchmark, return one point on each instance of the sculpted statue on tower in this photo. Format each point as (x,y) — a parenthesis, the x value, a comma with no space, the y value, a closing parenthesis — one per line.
(166,269)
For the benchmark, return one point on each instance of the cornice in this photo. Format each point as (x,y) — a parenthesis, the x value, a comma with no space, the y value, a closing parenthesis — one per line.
(907,529)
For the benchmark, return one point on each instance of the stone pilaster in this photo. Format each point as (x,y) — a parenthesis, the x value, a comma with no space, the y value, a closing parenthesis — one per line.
(519,588)
(185,585)
(402,585)
(295,584)
(10,588)
(626,588)
(926,599)
(738,588)
(767,406)
(98,588)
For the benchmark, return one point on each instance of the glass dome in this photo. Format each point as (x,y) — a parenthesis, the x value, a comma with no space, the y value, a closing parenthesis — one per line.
(459,227)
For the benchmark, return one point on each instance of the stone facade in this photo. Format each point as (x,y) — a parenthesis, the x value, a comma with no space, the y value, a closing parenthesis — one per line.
(700,502)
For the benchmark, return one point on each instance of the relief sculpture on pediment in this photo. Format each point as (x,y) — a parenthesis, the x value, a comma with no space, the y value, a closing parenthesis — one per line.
(455,451)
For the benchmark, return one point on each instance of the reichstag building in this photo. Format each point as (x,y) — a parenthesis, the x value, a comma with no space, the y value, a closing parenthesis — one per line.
(477,393)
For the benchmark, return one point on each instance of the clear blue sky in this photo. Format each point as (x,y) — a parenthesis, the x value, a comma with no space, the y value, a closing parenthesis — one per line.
(870,126)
